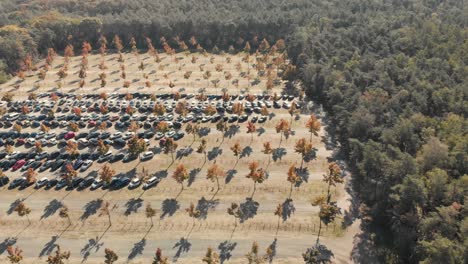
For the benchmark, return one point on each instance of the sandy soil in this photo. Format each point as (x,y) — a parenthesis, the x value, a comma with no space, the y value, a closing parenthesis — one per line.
(183,240)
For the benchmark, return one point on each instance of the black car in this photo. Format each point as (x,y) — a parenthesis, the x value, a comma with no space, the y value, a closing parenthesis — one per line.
(51,183)
(178,135)
(75,182)
(57,165)
(116,157)
(4,180)
(16,182)
(120,183)
(86,182)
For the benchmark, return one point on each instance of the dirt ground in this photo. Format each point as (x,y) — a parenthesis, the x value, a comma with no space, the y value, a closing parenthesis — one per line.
(183,240)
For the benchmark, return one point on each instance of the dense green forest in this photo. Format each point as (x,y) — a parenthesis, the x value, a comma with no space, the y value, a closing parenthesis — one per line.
(392,75)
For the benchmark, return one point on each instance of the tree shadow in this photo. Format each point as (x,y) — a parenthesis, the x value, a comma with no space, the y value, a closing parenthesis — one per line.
(311,155)
(137,249)
(204,131)
(49,246)
(91,208)
(86,250)
(161,174)
(132,206)
(278,153)
(183,245)
(214,153)
(232,131)
(246,152)
(10,241)
(192,175)
(225,250)
(248,209)
(13,206)
(271,116)
(204,206)
(303,174)
(288,209)
(260,131)
(156,150)
(183,152)
(51,208)
(273,250)
(230,175)
(169,207)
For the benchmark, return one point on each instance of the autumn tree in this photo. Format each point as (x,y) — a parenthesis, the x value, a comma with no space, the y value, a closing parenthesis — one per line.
(102,147)
(72,148)
(69,174)
(214,173)
(222,127)
(236,150)
(251,129)
(159,258)
(180,175)
(15,254)
(256,174)
(110,256)
(253,256)
(150,213)
(202,149)
(64,213)
(30,175)
(58,257)
(211,257)
(267,150)
(193,212)
(238,108)
(304,148)
(293,178)
(282,127)
(23,210)
(159,109)
(136,146)
(192,129)
(106,173)
(313,126)
(170,146)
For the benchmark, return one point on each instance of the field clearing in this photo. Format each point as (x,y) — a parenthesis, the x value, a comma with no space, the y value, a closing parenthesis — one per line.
(181,239)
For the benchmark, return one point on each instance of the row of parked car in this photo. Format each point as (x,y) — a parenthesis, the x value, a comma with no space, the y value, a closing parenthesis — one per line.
(81,183)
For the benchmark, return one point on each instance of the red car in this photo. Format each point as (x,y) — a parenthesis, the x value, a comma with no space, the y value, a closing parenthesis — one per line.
(69,135)
(91,123)
(20,141)
(18,164)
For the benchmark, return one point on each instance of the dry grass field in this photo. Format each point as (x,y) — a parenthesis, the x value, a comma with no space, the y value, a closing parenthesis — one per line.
(182,239)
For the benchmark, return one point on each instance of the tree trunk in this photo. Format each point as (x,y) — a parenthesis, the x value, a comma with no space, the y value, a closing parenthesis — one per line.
(320,229)
(281,139)
(290,190)
(255,188)
(110,222)
(69,220)
(152,224)
(29,221)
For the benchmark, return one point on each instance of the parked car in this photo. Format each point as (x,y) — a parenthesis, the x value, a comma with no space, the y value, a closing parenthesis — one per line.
(96,184)
(42,182)
(4,180)
(134,183)
(146,156)
(69,135)
(151,182)
(88,181)
(17,182)
(86,164)
(105,157)
(18,164)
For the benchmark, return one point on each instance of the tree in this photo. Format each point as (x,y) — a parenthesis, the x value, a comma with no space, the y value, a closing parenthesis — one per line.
(282,127)
(170,146)
(192,129)
(110,256)
(23,210)
(106,173)
(317,254)
(251,129)
(313,126)
(293,178)
(15,254)
(237,150)
(162,127)
(193,212)
(210,110)
(214,173)
(136,146)
(180,175)
(222,127)
(238,108)
(72,148)
(31,175)
(70,173)
(253,256)
(264,46)
(256,174)
(202,149)
(292,111)
(7,97)
(17,127)
(211,257)
(159,258)
(59,256)
(235,211)
(64,213)
(150,213)
(38,147)
(102,147)
(267,150)
(105,211)
(159,109)
(304,148)
(181,108)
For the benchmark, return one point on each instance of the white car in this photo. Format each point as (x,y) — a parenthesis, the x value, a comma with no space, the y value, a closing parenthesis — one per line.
(147,155)
(31,141)
(52,142)
(147,141)
(128,135)
(134,183)
(86,165)
(50,135)
(42,182)
(83,141)
(96,184)
(116,135)
(151,182)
